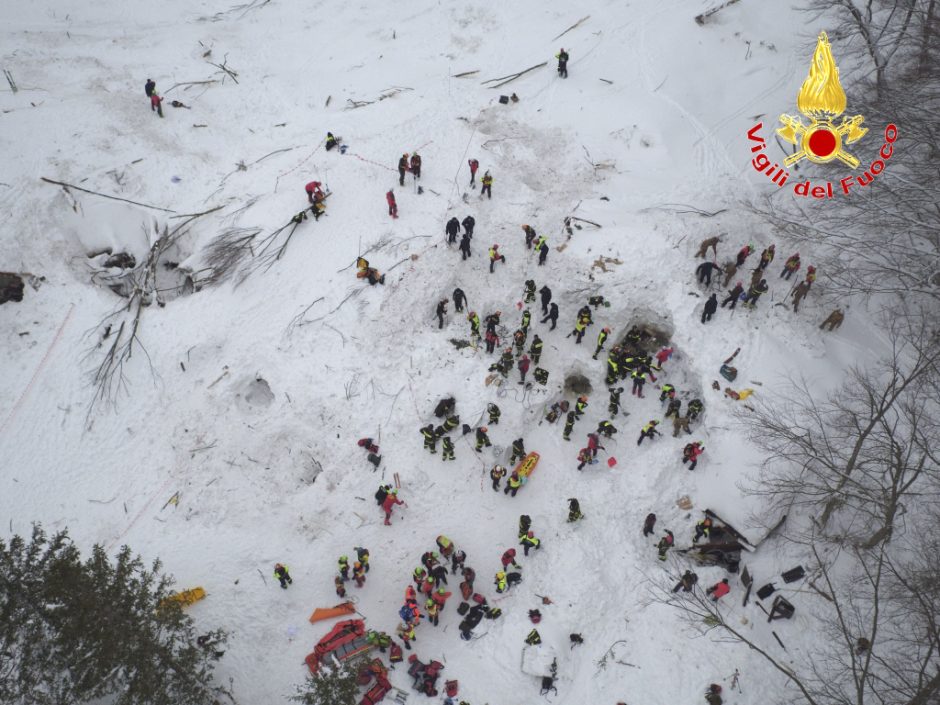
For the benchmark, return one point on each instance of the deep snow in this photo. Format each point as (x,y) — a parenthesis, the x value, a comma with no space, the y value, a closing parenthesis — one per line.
(270,471)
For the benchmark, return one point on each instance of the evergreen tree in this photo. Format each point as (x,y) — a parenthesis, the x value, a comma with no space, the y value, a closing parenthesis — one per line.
(73,632)
(337,687)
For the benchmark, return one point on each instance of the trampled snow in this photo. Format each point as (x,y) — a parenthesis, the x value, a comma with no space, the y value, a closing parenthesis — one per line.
(251,394)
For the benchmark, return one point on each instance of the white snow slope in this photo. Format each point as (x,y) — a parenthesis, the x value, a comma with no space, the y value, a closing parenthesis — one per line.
(269,471)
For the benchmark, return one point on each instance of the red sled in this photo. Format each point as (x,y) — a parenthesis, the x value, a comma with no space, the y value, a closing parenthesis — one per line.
(345,640)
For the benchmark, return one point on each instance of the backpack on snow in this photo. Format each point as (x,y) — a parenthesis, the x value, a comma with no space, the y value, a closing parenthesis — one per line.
(729,373)
(463,608)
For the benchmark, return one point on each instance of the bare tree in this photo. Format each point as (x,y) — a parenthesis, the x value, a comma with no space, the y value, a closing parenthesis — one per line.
(857,454)
(883,238)
(878,638)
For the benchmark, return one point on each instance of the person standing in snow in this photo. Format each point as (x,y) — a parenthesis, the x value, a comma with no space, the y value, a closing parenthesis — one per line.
(703,528)
(552,315)
(790,266)
(733,296)
(482,439)
(546,295)
(579,328)
(584,457)
(474,321)
(359,574)
(569,426)
(530,236)
(680,423)
(496,474)
(487,182)
(543,252)
(474,165)
(149,87)
(710,307)
(691,452)
(331,141)
(614,407)
(282,573)
(799,293)
(528,541)
(363,555)
(464,247)
(766,257)
(392,206)
(743,254)
(430,438)
(447,446)
(665,543)
(513,484)
(402,168)
(518,451)
(468,224)
(535,349)
(730,270)
(492,340)
(156,104)
(440,312)
(649,524)
(495,257)
(562,57)
(416,165)
(460,299)
(574,510)
(452,229)
(494,413)
(523,366)
(755,293)
(389,505)
(343,565)
(601,338)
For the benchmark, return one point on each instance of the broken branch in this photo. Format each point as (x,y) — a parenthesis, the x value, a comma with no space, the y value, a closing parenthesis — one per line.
(103,195)
(512,76)
(576,24)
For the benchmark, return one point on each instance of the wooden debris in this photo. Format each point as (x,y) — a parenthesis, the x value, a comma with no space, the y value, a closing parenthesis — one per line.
(576,24)
(103,195)
(700,19)
(503,80)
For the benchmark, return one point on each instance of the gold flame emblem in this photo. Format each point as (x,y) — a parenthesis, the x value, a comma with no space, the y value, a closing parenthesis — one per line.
(821,99)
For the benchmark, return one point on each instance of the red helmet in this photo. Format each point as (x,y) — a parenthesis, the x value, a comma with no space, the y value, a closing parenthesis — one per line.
(484,429)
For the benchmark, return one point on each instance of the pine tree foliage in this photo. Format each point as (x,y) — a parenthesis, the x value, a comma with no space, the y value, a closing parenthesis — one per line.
(337,687)
(75,631)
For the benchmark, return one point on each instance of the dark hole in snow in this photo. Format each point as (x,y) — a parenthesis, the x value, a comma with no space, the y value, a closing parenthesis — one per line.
(258,393)
(122,260)
(577,384)
(652,337)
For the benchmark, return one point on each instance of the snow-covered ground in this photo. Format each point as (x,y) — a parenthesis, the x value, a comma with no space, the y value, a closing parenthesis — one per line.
(254,421)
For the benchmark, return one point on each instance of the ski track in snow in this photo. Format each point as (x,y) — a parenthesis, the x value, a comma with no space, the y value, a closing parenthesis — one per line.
(270,471)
